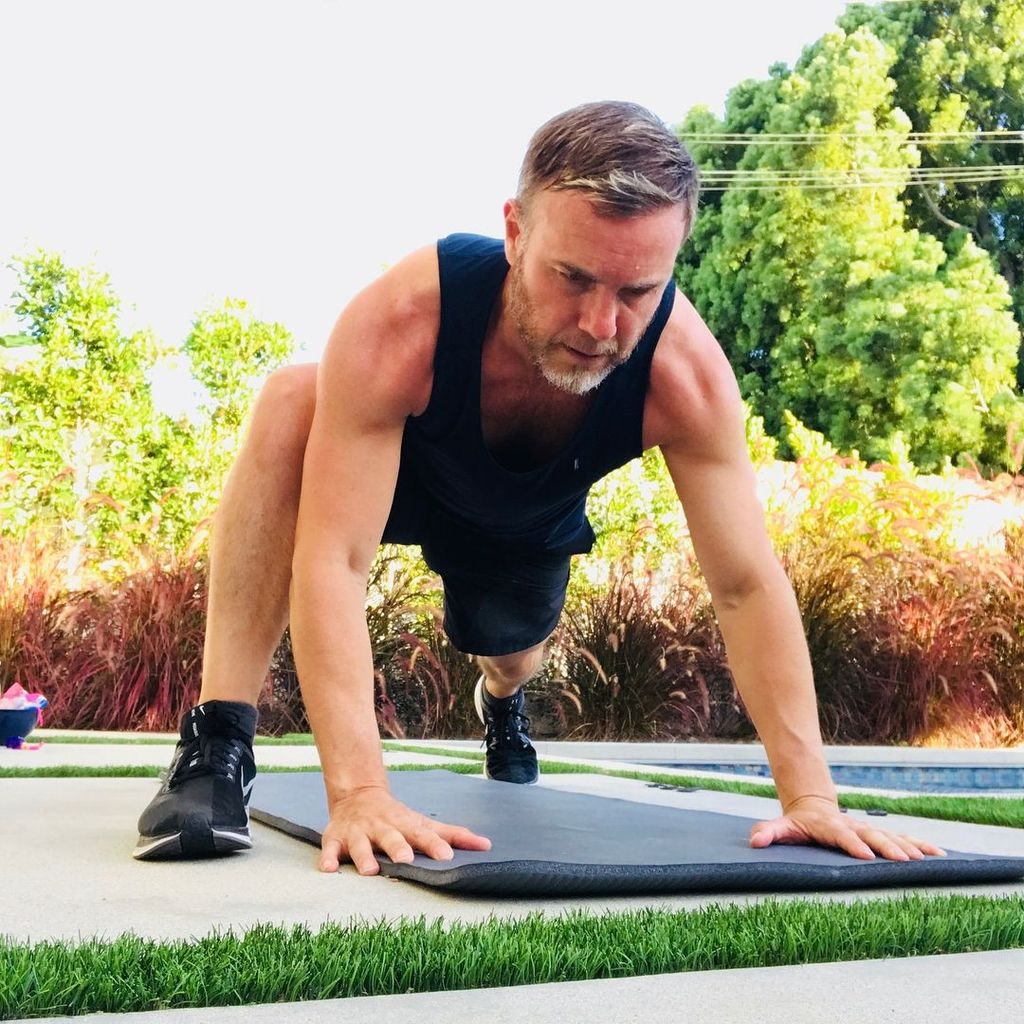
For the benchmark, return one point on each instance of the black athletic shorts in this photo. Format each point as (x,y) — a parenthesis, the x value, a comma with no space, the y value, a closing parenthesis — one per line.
(496,602)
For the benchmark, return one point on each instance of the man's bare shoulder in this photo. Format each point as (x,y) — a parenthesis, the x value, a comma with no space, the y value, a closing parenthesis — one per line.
(386,336)
(693,389)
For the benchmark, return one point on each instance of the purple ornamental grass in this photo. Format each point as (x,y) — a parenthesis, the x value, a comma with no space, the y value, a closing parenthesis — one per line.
(132,656)
(630,668)
(911,644)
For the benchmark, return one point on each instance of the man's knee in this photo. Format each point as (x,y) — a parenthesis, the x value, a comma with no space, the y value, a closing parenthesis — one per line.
(283,411)
(517,668)
(291,388)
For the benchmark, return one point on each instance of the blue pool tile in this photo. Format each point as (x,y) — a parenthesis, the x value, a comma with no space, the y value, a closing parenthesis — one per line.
(932,779)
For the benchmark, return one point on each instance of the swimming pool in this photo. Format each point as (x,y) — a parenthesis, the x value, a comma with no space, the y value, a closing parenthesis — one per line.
(971,779)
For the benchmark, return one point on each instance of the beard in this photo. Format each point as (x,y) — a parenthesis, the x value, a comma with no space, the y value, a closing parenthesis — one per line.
(575,380)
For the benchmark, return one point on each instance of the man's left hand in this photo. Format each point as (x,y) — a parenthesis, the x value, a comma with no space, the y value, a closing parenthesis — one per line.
(817,821)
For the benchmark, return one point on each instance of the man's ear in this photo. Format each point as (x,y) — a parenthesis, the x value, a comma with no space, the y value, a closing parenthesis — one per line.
(513,228)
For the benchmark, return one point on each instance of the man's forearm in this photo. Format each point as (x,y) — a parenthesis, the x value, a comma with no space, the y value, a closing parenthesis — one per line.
(767,649)
(334,661)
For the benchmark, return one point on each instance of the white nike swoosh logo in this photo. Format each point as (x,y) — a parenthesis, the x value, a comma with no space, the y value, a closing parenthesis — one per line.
(247,788)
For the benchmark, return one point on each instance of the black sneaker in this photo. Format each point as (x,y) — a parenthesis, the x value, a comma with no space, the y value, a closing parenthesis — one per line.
(203,806)
(510,755)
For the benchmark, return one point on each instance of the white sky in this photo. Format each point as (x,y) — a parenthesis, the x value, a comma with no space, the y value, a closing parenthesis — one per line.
(285,152)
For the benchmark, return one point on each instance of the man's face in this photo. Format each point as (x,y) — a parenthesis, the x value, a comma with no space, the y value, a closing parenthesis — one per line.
(583,287)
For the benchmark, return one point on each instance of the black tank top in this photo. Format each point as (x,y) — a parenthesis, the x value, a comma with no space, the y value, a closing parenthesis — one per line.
(450,489)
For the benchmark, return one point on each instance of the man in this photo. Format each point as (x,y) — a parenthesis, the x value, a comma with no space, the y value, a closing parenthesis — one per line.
(465,402)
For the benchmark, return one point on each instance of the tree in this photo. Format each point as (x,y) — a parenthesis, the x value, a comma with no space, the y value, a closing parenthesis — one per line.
(85,452)
(828,304)
(959,67)
(230,353)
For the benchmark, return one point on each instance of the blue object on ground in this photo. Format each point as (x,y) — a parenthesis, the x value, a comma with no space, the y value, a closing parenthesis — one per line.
(16,725)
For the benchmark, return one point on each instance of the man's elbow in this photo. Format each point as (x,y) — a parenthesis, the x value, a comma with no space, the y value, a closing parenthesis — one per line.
(311,566)
(749,587)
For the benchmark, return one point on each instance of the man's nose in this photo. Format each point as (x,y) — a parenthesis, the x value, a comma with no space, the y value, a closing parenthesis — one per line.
(599,316)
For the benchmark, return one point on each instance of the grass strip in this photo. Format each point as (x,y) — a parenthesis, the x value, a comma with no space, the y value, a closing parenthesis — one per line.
(291,739)
(412,748)
(973,810)
(147,771)
(269,963)
(288,739)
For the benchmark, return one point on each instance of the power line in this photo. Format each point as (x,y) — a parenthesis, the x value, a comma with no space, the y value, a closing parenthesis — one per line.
(1013,138)
(868,177)
(923,172)
(760,179)
(997,133)
(834,185)
(996,172)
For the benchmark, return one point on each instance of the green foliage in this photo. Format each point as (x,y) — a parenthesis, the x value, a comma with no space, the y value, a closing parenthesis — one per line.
(230,353)
(828,301)
(959,67)
(636,514)
(761,447)
(85,452)
(881,511)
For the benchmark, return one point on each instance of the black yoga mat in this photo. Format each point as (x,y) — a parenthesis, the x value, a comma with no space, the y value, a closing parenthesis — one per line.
(547,842)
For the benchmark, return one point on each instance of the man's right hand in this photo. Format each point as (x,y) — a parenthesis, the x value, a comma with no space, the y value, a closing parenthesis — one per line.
(371,817)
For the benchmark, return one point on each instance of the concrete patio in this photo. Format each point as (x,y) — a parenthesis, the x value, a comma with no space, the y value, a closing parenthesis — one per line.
(78,880)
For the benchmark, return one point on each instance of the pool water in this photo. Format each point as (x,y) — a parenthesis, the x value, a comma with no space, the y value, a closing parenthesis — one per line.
(926,779)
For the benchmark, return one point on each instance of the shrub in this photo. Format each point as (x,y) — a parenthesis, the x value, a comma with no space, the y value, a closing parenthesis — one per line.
(911,639)
(30,598)
(414,665)
(125,657)
(629,667)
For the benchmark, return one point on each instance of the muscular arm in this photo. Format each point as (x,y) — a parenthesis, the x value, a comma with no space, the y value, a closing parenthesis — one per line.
(374,373)
(700,412)
(363,396)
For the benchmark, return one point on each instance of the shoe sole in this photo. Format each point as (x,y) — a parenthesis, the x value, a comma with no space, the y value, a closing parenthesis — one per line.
(478,701)
(533,782)
(205,843)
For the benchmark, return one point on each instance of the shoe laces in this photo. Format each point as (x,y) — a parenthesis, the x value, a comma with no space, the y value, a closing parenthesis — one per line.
(507,729)
(207,754)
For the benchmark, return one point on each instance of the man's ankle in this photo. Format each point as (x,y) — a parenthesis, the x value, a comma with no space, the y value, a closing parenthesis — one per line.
(505,691)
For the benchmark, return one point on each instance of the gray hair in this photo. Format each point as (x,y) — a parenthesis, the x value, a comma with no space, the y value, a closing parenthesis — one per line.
(620,155)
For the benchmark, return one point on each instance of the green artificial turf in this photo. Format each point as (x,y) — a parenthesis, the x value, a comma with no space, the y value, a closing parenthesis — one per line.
(147,771)
(272,964)
(291,739)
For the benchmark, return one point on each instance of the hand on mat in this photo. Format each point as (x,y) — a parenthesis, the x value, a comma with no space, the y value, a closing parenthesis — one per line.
(371,818)
(817,821)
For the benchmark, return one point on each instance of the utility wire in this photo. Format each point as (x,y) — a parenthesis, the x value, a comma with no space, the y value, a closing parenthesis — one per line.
(868,177)
(1014,137)
(854,176)
(923,173)
(835,186)
(761,179)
